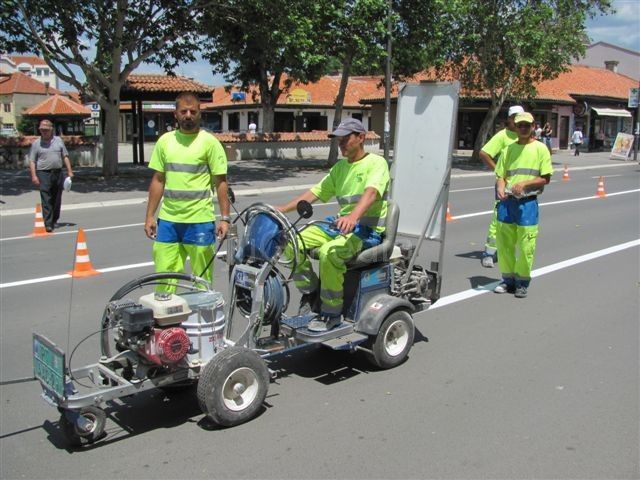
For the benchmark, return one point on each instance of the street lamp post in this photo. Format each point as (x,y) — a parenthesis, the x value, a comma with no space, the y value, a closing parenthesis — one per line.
(387,86)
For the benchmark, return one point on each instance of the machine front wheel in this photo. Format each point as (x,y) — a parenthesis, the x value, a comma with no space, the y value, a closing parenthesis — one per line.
(233,386)
(394,340)
(87,429)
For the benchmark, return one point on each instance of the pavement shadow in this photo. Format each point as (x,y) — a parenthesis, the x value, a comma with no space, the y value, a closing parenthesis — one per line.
(476,254)
(480,282)
(135,178)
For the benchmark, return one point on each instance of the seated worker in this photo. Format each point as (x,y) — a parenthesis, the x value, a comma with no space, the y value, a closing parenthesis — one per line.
(359,182)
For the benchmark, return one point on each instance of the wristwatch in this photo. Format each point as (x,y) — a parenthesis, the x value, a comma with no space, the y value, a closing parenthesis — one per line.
(225,218)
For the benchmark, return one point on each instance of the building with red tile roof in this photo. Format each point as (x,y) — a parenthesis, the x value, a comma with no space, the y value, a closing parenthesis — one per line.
(302,107)
(18,92)
(592,98)
(66,115)
(620,60)
(151,86)
(29,65)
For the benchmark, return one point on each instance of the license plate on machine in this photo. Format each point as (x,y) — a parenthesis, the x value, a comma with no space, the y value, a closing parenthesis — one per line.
(49,364)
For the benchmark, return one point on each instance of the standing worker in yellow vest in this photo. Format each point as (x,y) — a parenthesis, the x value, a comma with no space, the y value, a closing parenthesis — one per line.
(359,182)
(188,162)
(522,172)
(489,155)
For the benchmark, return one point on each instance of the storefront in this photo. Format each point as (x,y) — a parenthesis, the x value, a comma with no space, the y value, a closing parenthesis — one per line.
(605,124)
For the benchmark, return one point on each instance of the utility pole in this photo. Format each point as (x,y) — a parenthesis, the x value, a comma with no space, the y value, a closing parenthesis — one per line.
(387,86)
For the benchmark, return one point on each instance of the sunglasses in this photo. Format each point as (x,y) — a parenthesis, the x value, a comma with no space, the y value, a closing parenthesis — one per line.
(523,125)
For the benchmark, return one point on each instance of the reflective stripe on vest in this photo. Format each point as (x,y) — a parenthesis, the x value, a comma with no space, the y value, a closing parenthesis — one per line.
(523,171)
(346,200)
(187,194)
(186,167)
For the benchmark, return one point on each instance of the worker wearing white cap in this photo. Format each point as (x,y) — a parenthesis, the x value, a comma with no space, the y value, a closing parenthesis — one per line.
(489,155)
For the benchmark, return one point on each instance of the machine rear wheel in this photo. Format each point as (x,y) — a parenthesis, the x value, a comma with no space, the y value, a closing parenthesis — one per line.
(233,386)
(394,340)
(88,430)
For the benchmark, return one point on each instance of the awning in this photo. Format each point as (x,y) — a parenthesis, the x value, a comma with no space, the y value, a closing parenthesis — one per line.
(611,112)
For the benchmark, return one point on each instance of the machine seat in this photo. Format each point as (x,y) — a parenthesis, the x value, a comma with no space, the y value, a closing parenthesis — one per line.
(379,253)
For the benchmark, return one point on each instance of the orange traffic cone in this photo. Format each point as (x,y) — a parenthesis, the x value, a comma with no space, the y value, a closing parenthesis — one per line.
(600,192)
(82,266)
(38,229)
(449,217)
(565,174)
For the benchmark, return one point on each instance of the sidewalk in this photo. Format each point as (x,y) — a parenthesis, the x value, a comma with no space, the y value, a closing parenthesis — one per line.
(246,177)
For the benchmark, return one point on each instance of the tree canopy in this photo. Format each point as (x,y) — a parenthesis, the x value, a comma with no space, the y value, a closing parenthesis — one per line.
(95,44)
(505,47)
(265,42)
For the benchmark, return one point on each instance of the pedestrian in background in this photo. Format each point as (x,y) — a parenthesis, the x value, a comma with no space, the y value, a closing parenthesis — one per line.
(47,156)
(522,172)
(489,155)
(577,139)
(546,136)
(537,133)
(188,162)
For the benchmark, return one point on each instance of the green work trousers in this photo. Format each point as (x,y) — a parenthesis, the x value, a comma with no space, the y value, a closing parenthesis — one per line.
(171,257)
(333,252)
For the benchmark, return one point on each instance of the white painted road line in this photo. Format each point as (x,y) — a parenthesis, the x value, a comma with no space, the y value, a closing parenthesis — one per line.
(442,302)
(474,292)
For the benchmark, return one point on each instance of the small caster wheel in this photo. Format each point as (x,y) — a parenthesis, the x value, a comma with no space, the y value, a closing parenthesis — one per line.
(86,428)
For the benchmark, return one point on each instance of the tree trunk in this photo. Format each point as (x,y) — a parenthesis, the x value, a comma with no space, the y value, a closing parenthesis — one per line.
(269,116)
(268,98)
(485,129)
(497,99)
(110,140)
(346,70)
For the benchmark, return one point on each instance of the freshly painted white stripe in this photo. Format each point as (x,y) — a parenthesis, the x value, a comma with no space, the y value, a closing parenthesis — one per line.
(474,292)
(442,302)
(34,280)
(125,267)
(62,277)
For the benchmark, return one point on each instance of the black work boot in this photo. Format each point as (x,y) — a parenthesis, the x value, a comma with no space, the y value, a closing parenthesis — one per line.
(309,303)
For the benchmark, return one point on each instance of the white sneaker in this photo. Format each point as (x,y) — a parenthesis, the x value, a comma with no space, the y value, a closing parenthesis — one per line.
(487,261)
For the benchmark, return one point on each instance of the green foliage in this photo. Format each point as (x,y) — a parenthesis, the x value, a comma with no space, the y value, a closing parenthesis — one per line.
(27,126)
(101,40)
(95,44)
(261,38)
(513,44)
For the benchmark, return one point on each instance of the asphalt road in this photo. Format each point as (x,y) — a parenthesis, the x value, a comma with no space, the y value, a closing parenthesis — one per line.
(494,387)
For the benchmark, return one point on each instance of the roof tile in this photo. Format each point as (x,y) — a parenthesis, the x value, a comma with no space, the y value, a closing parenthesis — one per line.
(20,83)
(58,105)
(163,83)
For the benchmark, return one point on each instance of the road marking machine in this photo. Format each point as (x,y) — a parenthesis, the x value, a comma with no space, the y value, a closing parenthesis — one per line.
(170,341)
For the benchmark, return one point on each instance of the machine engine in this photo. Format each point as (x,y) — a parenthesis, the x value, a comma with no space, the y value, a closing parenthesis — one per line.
(152,328)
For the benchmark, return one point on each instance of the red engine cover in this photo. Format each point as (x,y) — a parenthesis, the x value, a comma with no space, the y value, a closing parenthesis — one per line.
(166,345)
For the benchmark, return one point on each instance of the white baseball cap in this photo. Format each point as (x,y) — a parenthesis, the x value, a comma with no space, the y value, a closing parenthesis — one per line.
(515,109)
(67,184)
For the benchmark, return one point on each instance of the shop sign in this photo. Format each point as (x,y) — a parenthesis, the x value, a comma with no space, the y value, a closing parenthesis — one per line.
(634,93)
(299,96)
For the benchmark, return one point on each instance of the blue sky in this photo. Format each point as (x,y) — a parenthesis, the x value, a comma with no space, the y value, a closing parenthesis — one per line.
(621,28)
